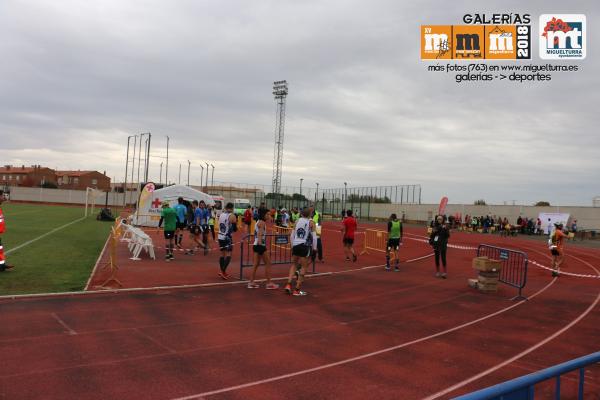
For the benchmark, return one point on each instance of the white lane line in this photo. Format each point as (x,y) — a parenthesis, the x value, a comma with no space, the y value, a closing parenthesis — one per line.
(44,235)
(361,357)
(64,324)
(523,353)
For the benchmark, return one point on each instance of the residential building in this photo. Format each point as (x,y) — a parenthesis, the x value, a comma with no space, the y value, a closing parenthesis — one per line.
(80,180)
(35,175)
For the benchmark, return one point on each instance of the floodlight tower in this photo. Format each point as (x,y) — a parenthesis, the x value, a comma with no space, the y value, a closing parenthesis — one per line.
(280,91)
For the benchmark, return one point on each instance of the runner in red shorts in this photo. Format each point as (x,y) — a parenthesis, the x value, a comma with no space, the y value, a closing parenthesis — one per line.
(348,230)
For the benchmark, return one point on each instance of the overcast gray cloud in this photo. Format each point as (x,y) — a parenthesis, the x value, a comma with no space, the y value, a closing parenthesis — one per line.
(77,78)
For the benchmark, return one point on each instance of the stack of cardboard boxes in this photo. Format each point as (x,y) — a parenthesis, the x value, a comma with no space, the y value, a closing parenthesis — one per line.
(489,274)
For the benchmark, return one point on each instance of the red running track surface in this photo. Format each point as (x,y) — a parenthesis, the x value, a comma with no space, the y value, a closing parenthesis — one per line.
(363,333)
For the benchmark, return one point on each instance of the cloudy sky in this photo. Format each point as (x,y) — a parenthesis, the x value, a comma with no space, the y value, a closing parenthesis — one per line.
(78,77)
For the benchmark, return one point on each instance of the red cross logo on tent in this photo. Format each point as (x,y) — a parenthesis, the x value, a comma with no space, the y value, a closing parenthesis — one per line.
(156,203)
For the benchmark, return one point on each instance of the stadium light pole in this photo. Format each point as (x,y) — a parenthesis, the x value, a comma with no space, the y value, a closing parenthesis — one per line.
(212,178)
(179,179)
(206,186)
(301,179)
(202,176)
(189,165)
(126,170)
(160,174)
(317,192)
(167,166)
(345,194)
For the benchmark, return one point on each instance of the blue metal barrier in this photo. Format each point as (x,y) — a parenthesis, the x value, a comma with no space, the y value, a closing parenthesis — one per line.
(514,266)
(523,388)
(278,247)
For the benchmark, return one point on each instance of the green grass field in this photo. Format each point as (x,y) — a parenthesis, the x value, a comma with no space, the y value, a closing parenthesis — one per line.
(59,262)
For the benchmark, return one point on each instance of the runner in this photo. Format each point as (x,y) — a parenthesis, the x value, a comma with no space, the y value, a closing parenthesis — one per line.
(316,217)
(557,250)
(211,222)
(3,264)
(303,239)
(181,211)
(394,240)
(348,230)
(194,229)
(285,218)
(260,250)
(202,221)
(247,219)
(169,216)
(227,225)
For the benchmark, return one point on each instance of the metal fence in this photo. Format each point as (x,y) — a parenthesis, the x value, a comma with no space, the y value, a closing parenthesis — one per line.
(514,266)
(524,387)
(327,201)
(279,248)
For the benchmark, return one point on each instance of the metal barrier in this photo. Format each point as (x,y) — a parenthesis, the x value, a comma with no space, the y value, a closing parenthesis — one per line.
(375,240)
(279,248)
(524,387)
(514,266)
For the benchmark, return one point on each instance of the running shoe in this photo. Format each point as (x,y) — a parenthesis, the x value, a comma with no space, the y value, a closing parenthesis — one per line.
(396,269)
(444,275)
(438,275)
(555,273)
(354,258)
(388,268)
(223,276)
(189,252)
(253,285)
(271,286)
(178,246)
(299,292)
(347,258)
(288,288)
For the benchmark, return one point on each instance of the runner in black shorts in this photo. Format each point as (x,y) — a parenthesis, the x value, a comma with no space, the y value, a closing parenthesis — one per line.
(304,239)
(394,239)
(260,250)
(227,225)
(195,228)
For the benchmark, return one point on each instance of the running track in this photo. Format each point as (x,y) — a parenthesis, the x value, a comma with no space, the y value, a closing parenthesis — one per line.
(363,333)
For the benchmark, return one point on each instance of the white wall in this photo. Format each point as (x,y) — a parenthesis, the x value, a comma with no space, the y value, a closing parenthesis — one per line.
(587,217)
(67,196)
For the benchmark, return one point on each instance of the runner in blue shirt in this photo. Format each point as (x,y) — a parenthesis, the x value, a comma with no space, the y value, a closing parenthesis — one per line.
(181,211)
(201,219)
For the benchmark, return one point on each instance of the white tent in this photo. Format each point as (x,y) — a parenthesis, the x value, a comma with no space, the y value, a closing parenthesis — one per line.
(149,203)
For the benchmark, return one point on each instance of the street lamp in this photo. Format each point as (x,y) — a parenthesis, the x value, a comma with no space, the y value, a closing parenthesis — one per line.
(179,180)
(160,174)
(212,178)
(301,179)
(317,193)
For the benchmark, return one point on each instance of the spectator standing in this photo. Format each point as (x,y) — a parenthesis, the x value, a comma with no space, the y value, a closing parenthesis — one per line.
(3,264)
(439,241)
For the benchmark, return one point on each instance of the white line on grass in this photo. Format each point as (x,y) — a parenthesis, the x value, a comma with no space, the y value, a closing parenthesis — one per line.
(44,235)
(87,284)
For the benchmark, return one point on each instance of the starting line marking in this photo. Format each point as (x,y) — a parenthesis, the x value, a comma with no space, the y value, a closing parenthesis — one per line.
(44,235)
(64,324)
(363,356)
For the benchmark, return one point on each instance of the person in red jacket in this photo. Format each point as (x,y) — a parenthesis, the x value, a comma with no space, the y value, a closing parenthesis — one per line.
(3,264)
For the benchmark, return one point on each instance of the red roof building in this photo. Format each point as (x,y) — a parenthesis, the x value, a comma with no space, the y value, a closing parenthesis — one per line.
(80,180)
(26,176)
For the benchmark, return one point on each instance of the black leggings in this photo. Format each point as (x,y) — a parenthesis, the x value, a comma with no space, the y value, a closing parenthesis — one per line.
(440,251)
